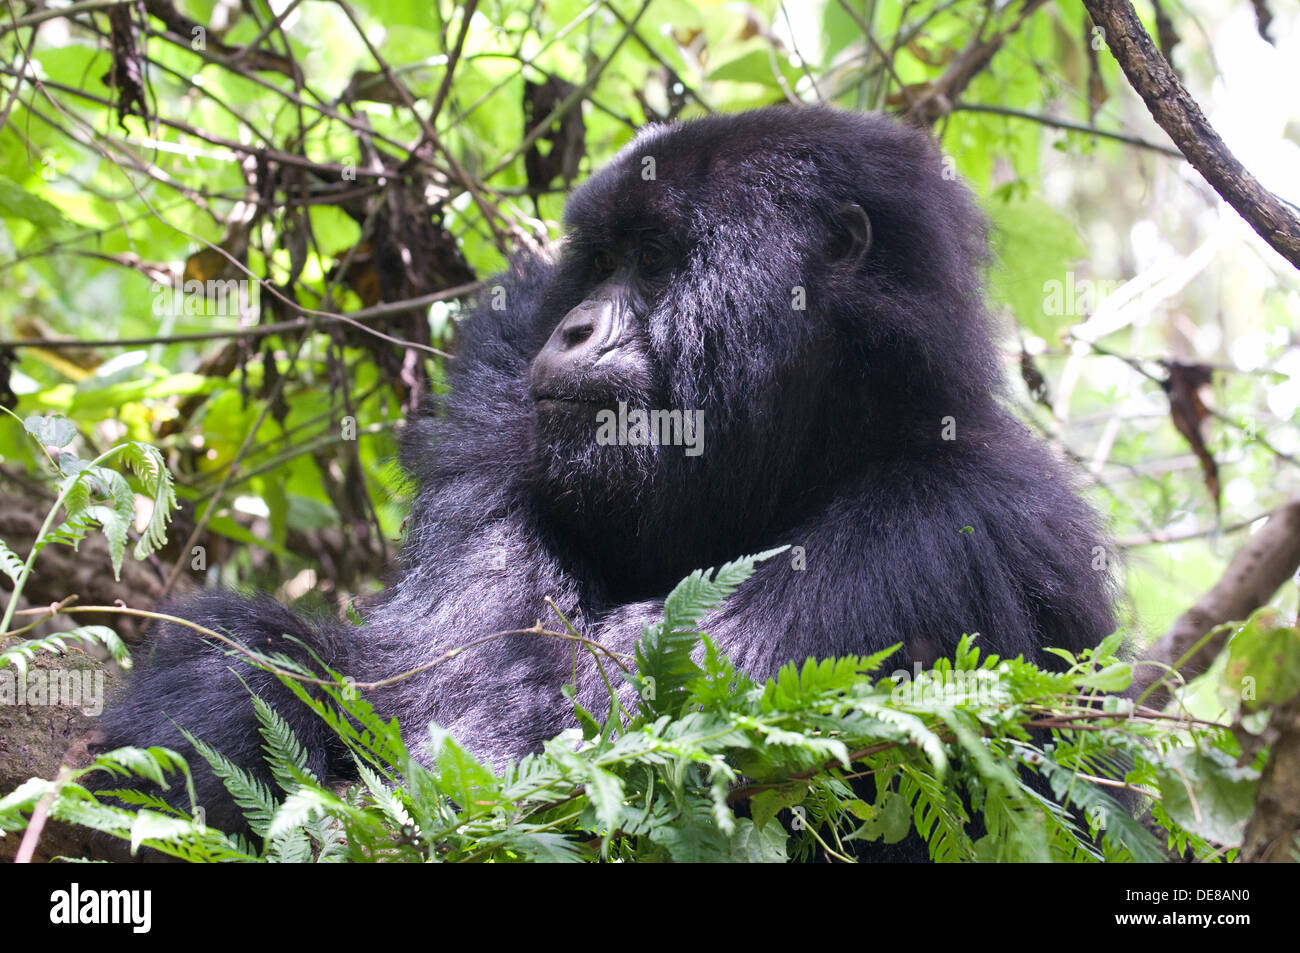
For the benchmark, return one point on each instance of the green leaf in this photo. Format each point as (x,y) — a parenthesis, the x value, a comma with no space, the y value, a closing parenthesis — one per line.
(1206,792)
(53,430)
(605,792)
(1036,246)
(10,564)
(546,847)
(252,796)
(765,805)
(156,479)
(105,637)
(889,819)
(149,825)
(1112,678)
(1263,667)
(1110,817)
(753,844)
(57,643)
(796,688)
(153,764)
(17,202)
(284,752)
(663,654)
(463,777)
(298,808)
(116,518)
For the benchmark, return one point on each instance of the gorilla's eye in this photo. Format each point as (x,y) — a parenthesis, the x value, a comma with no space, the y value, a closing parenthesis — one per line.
(653,258)
(604,264)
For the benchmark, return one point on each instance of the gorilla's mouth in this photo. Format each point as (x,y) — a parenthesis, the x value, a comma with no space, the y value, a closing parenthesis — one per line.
(567,405)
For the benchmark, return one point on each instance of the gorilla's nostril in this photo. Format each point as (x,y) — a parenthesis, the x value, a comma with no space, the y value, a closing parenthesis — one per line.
(573,336)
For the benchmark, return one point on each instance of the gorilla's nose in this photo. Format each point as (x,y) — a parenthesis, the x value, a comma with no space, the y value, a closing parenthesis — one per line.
(578,327)
(577,343)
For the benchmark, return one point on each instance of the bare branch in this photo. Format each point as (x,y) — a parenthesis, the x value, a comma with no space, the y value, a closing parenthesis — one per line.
(1177,113)
(1258,569)
(1057,123)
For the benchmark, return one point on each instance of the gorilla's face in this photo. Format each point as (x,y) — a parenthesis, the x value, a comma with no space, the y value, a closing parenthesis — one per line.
(682,295)
(602,361)
(600,353)
(799,286)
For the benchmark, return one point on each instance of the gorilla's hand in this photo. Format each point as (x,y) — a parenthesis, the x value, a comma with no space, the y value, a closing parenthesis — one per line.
(192,683)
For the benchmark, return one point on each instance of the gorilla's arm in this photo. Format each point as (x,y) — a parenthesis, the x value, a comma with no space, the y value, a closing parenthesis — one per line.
(184,680)
(501,699)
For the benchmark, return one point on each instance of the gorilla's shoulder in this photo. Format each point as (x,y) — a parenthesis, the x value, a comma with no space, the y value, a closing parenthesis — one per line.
(484,409)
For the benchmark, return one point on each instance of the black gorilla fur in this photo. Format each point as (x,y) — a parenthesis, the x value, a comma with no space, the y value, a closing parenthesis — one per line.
(824,428)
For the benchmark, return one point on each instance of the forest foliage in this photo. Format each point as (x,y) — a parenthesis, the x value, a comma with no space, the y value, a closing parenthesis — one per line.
(234,244)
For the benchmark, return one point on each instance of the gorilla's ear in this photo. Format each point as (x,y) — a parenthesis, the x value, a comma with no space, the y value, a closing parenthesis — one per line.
(855,233)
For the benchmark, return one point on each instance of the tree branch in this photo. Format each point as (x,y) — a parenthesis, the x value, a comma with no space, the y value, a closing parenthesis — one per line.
(1173,108)
(1259,568)
(1058,123)
(1275,822)
(938,99)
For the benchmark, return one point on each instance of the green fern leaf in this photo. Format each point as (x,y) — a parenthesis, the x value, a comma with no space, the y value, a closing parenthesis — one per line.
(663,654)
(284,752)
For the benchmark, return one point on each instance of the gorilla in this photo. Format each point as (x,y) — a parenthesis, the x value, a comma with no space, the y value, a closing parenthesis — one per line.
(760,329)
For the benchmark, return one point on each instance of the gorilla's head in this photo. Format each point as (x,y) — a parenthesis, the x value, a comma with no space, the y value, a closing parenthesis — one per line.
(804,283)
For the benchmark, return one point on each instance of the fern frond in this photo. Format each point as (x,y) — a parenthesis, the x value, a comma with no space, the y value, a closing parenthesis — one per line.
(284,752)
(250,794)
